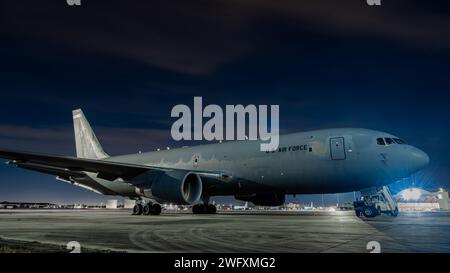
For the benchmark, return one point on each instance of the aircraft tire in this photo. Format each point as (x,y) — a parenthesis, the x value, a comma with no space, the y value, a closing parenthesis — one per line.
(370,211)
(147,209)
(196,209)
(394,213)
(137,209)
(156,209)
(211,209)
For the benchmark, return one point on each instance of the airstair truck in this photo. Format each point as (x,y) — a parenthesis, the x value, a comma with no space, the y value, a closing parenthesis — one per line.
(376,201)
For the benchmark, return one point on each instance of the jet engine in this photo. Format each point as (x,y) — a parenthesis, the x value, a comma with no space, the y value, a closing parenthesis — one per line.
(180,187)
(265,199)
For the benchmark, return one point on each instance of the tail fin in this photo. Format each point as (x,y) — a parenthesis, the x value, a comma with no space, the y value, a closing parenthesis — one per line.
(85,140)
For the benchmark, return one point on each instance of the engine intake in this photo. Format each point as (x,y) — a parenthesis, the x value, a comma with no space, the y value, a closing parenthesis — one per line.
(180,187)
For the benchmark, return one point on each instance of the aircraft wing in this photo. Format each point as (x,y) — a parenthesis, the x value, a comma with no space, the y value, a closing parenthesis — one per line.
(65,166)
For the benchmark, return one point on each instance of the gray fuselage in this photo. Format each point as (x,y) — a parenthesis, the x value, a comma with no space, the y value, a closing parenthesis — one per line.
(322,161)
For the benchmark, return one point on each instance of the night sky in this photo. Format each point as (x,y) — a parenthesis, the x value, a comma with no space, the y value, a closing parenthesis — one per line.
(127,63)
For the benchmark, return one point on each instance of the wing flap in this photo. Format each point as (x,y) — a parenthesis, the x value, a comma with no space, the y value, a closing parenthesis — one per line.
(50,170)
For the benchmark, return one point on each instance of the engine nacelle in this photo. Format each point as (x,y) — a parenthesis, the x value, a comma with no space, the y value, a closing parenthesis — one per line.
(180,187)
(266,199)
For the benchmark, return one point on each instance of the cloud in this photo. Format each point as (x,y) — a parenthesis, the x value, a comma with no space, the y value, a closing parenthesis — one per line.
(402,21)
(61,141)
(201,38)
(176,37)
(36,134)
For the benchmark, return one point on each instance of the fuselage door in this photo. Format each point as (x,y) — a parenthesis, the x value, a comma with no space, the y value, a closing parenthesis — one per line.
(337,148)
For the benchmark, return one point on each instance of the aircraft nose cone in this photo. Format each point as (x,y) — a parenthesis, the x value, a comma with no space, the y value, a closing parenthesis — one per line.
(419,159)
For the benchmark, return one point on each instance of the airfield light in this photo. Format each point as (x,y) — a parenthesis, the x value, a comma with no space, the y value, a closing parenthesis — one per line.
(411,194)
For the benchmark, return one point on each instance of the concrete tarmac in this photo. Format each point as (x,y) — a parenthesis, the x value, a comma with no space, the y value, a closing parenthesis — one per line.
(274,231)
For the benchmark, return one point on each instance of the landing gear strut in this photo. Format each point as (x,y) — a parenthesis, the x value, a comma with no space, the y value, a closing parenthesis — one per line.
(146,208)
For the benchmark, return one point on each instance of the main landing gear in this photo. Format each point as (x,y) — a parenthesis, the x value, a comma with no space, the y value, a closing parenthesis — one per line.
(205,208)
(146,208)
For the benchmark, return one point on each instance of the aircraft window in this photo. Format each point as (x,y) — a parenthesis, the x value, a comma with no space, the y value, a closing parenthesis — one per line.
(389,141)
(380,141)
(399,141)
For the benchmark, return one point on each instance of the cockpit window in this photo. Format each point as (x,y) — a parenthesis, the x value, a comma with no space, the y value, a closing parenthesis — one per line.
(399,141)
(389,141)
(380,141)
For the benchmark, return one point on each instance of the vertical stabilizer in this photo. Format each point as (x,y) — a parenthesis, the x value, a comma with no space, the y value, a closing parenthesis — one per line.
(85,140)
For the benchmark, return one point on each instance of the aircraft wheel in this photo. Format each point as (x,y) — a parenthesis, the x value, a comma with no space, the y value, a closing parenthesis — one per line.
(199,209)
(147,210)
(370,212)
(394,213)
(137,209)
(156,209)
(211,209)
(196,209)
(358,213)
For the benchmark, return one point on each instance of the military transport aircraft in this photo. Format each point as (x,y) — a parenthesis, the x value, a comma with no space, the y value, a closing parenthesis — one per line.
(322,161)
